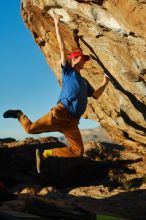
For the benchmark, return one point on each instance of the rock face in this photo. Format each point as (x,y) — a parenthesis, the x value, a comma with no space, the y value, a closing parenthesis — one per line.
(114,36)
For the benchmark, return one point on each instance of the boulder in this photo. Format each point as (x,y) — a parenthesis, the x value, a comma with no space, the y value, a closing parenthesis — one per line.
(114,36)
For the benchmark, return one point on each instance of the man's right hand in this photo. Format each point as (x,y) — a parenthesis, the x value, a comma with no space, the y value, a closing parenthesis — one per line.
(56,17)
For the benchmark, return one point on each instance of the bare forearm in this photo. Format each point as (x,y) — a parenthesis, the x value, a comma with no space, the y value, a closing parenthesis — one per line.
(59,37)
(97,93)
(57,18)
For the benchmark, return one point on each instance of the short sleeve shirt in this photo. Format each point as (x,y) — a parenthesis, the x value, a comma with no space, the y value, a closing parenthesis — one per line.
(75,90)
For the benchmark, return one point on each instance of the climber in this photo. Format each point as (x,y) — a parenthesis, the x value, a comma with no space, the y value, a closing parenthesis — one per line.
(72,102)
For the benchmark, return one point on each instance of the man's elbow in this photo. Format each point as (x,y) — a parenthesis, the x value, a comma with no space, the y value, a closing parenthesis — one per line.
(94,96)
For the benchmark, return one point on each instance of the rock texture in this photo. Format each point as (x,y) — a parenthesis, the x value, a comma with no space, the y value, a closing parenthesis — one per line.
(113,33)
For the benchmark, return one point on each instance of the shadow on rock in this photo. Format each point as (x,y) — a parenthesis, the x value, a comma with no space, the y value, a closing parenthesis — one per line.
(71,172)
(129,205)
(18,165)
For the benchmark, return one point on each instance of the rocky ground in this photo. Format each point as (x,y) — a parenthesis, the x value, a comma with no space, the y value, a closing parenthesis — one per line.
(109,179)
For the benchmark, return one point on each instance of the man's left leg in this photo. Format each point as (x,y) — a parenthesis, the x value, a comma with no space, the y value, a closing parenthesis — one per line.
(76,148)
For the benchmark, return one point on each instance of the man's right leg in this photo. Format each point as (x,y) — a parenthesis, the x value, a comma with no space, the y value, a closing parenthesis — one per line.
(44,124)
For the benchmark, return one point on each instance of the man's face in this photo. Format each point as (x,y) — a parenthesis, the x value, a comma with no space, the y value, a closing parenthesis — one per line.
(79,61)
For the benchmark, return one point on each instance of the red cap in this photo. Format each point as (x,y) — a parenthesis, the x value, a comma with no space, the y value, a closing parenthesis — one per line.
(78,53)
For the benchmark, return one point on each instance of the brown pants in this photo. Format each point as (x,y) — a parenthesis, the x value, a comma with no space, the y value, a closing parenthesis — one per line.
(58,119)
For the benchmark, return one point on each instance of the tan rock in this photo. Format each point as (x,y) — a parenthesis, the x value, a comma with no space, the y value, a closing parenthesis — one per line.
(113,33)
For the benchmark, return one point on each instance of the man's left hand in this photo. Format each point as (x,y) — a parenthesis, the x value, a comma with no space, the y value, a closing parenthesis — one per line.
(106,79)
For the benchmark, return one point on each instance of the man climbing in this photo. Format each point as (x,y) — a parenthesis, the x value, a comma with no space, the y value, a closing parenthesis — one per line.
(72,102)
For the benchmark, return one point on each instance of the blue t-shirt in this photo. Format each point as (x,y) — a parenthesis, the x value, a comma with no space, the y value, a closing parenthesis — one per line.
(75,90)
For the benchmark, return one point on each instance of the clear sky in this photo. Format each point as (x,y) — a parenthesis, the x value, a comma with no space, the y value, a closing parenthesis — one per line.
(27,82)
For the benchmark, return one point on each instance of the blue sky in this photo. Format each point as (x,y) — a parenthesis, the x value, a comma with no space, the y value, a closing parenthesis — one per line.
(27,82)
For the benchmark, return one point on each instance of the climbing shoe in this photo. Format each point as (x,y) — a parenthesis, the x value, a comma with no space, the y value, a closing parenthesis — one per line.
(12,114)
(47,153)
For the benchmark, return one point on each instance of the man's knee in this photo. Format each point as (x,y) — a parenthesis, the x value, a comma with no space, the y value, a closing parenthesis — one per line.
(78,151)
(30,130)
